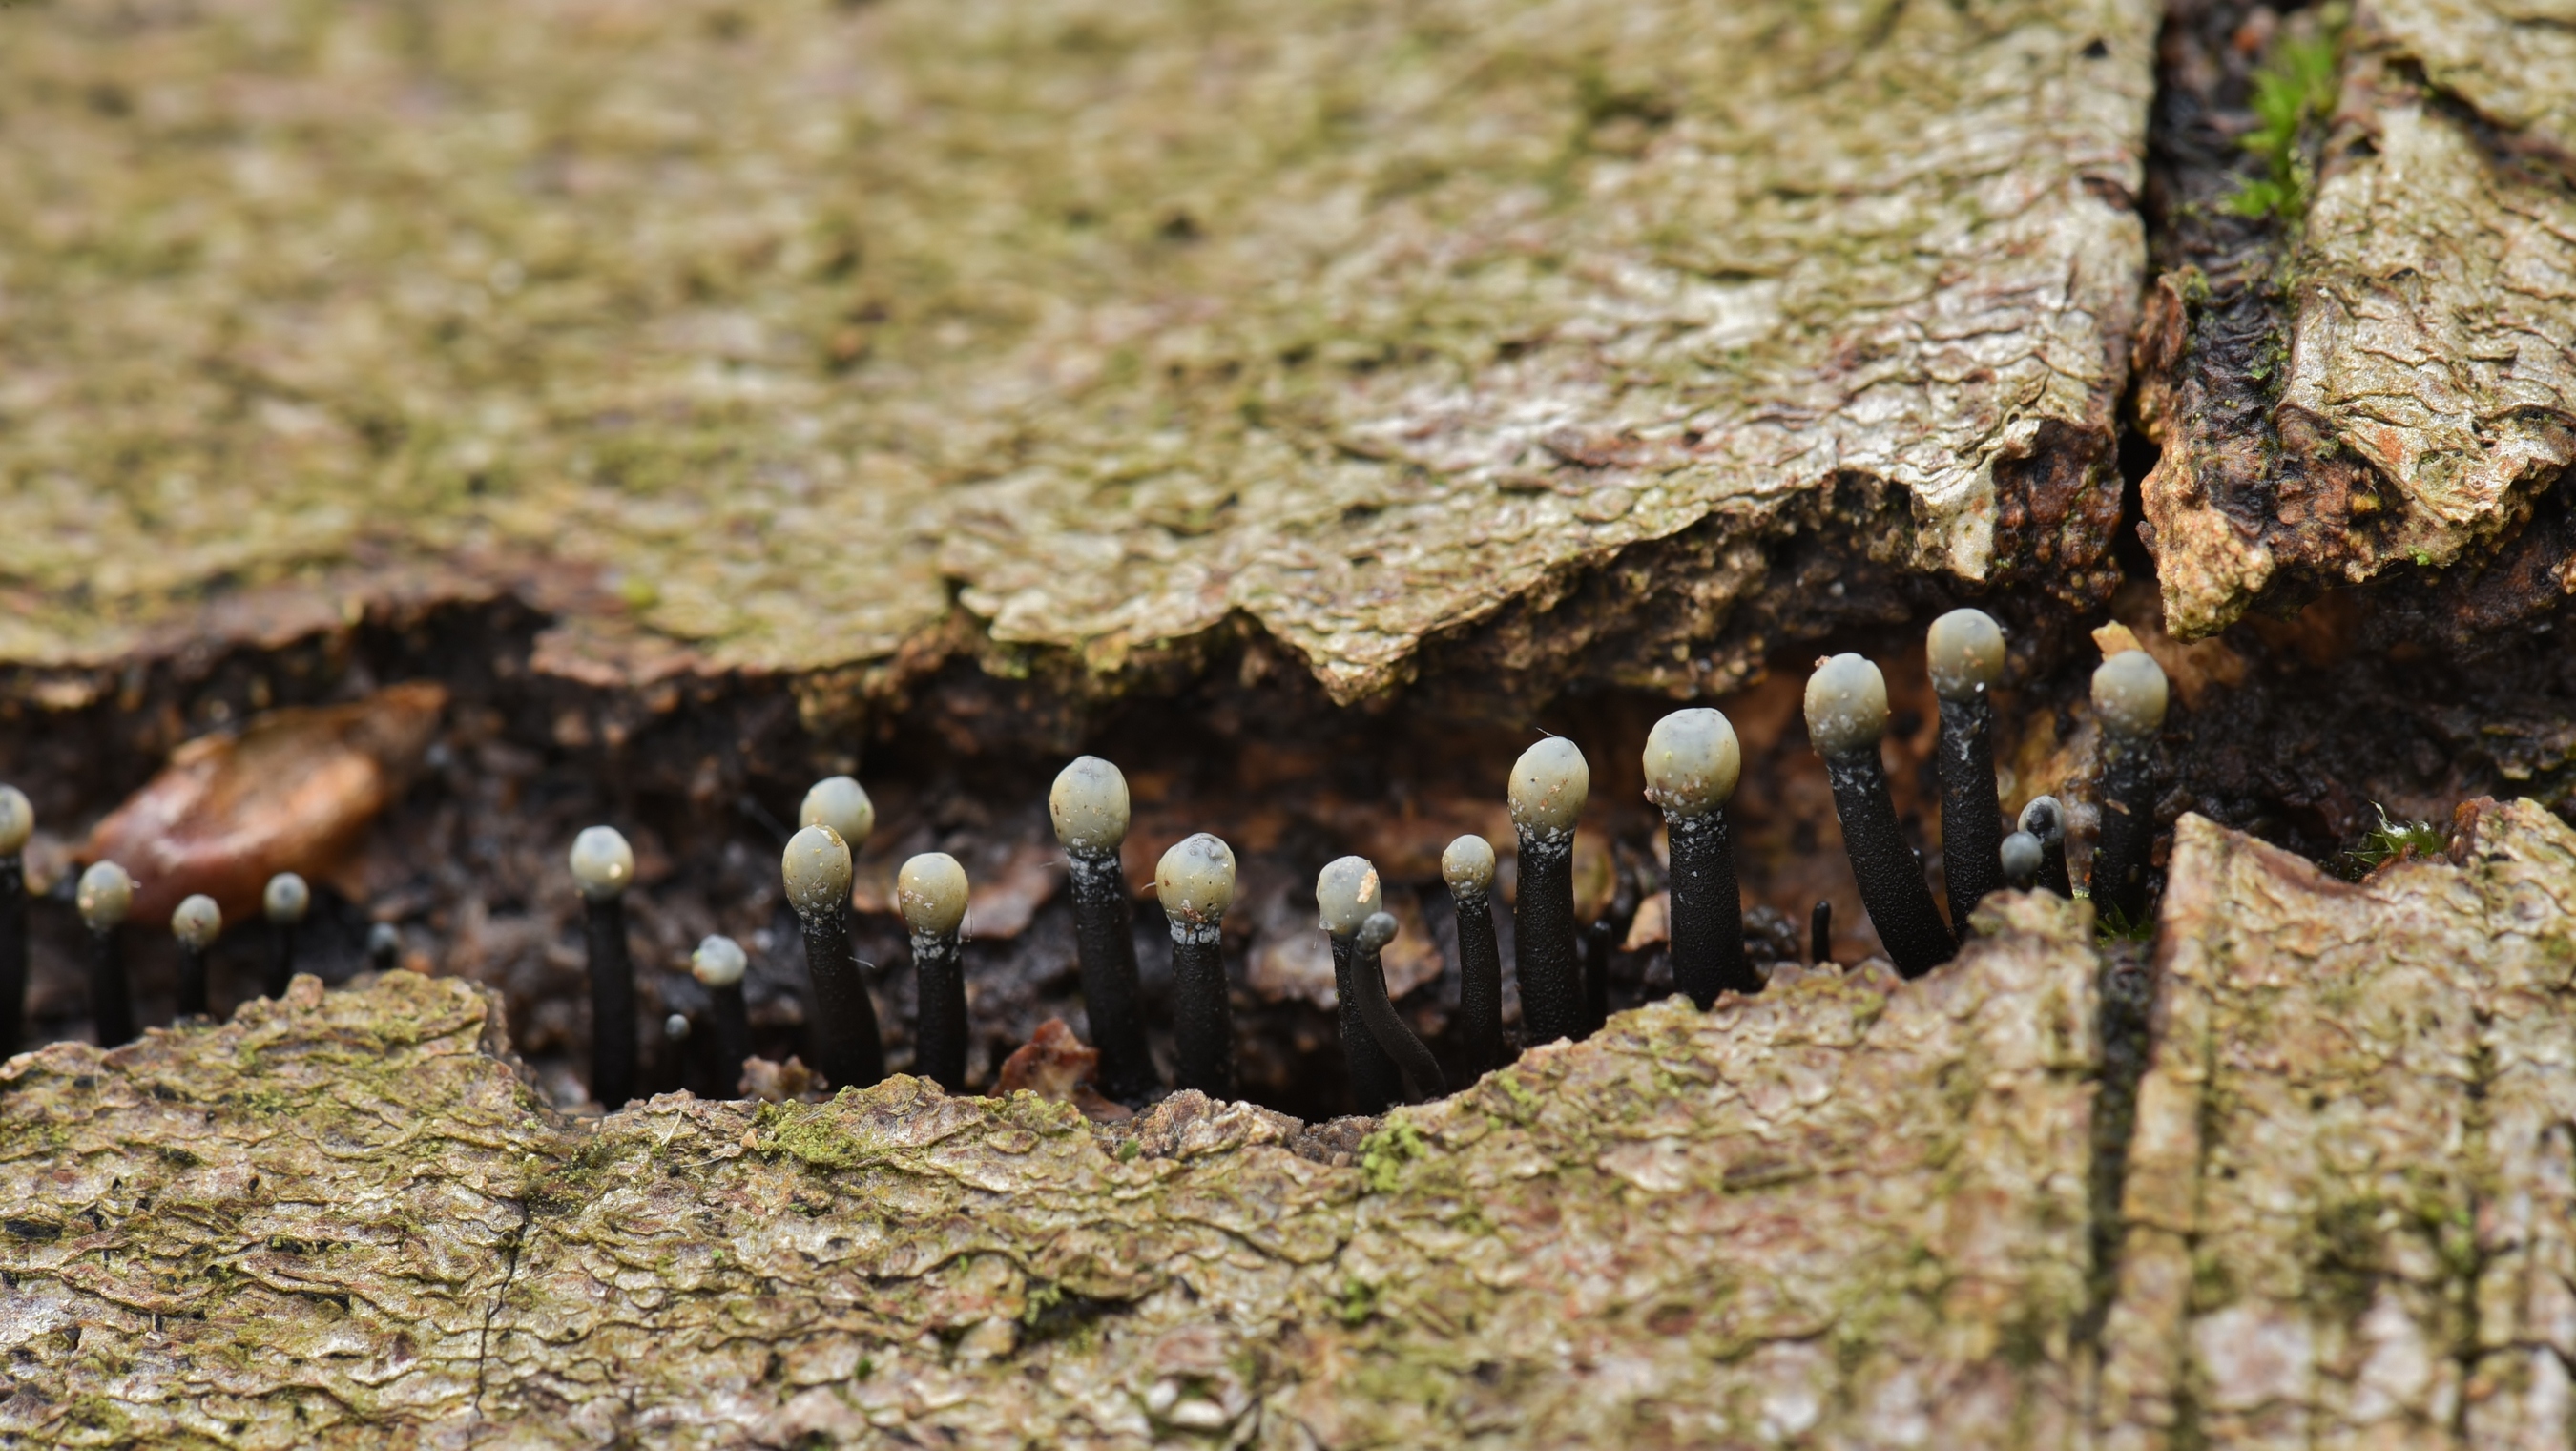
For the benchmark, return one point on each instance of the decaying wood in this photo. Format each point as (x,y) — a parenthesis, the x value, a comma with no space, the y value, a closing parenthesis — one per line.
(1847,1212)
(740,341)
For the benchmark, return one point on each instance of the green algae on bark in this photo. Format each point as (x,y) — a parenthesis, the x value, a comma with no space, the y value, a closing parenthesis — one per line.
(742,337)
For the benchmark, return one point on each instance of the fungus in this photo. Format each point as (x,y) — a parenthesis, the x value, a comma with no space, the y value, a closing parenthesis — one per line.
(1846,719)
(676,1027)
(1468,867)
(17,823)
(284,901)
(196,922)
(1195,881)
(848,1047)
(1346,892)
(2129,695)
(1548,787)
(1089,807)
(384,947)
(719,964)
(105,894)
(842,804)
(1692,762)
(1368,975)
(1966,654)
(1820,932)
(2046,820)
(930,892)
(2020,858)
(603,865)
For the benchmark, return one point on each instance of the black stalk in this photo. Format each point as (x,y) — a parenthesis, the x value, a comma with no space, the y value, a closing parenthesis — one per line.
(1202,1018)
(1707,912)
(1820,933)
(1892,891)
(1376,1083)
(1468,867)
(1552,988)
(847,1044)
(13,953)
(2045,819)
(1971,813)
(1377,1010)
(1104,934)
(939,1050)
(612,1002)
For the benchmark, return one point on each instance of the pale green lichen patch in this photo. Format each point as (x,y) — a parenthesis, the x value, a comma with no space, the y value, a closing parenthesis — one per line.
(742,335)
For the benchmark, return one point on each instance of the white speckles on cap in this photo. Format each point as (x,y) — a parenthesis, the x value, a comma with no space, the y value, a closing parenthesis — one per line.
(816,866)
(842,804)
(1966,654)
(719,961)
(931,892)
(197,922)
(1346,892)
(1089,805)
(2129,694)
(1195,880)
(602,863)
(2044,818)
(1846,706)
(1692,761)
(1548,786)
(106,894)
(1468,865)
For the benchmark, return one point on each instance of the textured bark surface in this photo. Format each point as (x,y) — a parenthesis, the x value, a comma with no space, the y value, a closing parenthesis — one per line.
(1847,1212)
(747,338)
(2384,385)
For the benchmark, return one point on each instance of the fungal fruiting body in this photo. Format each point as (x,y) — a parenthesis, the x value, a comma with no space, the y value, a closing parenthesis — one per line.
(1468,867)
(1089,808)
(1820,933)
(2044,819)
(718,965)
(1195,882)
(842,804)
(847,1045)
(2020,858)
(1548,787)
(1346,893)
(1368,976)
(1966,653)
(603,866)
(2129,695)
(17,823)
(931,892)
(1846,719)
(284,901)
(105,895)
(1692,762)
(196,922)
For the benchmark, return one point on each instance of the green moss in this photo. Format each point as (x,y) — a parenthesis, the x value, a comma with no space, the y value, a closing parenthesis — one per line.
(2394,840)
(811,1133)
(1384,1154)
(2294,92)
(1358,1301)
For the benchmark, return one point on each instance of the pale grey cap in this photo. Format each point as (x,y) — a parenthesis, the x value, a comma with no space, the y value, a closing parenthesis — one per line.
(931,892)
(17,820)
(676,1027)
(1089,805)
(1195,879)
(719,961)
(2044,818)
(1346,892)
(816,866)
(1846,706)
(1376,932)
(602,863)
(1692,761)
(106,893)
(286,898)
(842,804)
(2021,855)
(2129,694)
(1548,786)
(1468,865)
(1966,650)
(197,922)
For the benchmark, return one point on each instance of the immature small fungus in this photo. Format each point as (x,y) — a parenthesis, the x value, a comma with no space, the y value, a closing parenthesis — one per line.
(1089,807)
(1195,881)
(1346,892)
(284,901)
(842,804)
(930,892)
(1965,649)
(196,922)
(17,824)
(847,1044)
(603,866)
(1692,762)
(1847,719)
(2129,694)
(2020,858)
(1548,787)
(719,965)
(384,947)
(1468,867)
(104,896)
(2045,819)
(1368,974)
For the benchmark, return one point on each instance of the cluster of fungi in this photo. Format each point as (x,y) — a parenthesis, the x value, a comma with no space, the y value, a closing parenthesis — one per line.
(1691,763)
